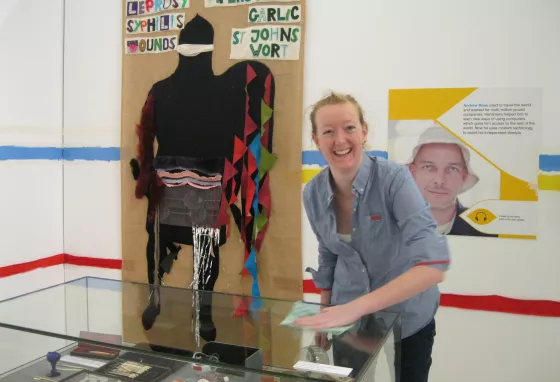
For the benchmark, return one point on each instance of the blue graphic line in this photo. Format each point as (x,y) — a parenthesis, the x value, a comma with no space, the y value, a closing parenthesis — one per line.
(547,162)
(313,157)
(57,153)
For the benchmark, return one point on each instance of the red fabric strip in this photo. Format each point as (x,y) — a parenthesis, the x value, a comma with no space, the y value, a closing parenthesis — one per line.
(543,308)
(250,74)
(433,262)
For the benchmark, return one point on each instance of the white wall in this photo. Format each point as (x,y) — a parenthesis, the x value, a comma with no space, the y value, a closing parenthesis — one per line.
(92,120)
(406,44)
(30,119)
(53,97)
(370,47)
(31,202)
(366,48)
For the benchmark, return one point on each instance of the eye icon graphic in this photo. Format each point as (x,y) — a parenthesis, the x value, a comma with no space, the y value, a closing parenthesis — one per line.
(482,216)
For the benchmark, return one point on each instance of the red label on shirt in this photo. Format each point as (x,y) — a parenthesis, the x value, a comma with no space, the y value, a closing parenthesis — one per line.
(375,217)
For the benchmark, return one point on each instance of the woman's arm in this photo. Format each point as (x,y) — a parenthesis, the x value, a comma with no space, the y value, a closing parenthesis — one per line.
(325,297)
(322,277)
(408,285)
(427,251)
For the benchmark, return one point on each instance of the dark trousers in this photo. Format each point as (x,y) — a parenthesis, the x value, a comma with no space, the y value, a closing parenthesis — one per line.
(413,356)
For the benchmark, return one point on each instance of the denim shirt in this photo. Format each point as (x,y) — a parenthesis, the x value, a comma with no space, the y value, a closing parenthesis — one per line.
(393,230)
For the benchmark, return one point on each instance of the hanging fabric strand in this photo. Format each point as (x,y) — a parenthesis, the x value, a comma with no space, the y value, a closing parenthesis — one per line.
(204,240)
(157,279)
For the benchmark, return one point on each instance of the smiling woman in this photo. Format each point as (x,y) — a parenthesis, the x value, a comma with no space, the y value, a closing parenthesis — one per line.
(386,252)
(340,132)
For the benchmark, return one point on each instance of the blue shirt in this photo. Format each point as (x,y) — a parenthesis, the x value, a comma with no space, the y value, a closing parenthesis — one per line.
(393,230)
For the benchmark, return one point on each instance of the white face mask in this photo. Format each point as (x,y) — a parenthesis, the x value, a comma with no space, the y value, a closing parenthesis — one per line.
(191,50)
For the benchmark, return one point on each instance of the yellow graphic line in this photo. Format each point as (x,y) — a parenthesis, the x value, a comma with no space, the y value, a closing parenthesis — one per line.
(505,236)
(546,182)
(511,188)
(549,182)
(308,174)
(414,104)
(469,145)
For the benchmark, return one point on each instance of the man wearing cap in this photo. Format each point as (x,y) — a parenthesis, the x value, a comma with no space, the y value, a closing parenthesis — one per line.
(440,165)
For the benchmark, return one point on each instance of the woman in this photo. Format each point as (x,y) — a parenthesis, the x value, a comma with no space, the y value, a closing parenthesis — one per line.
(378,247)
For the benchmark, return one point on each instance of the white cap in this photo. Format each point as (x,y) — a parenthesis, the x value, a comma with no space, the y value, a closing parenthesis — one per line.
(437,134)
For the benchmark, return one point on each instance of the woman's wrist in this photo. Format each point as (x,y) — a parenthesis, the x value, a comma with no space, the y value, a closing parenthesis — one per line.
(325,297)
(365,305)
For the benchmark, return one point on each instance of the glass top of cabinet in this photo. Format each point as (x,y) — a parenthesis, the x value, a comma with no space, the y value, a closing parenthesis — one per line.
(235,331)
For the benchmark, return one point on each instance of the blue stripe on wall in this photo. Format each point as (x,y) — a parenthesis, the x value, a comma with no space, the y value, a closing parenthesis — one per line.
(549,163)
(92,153)
(312,157)
(23,153)
(57,153)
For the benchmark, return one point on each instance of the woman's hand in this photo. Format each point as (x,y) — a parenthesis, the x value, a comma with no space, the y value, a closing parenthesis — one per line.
(322,341)
(331,317)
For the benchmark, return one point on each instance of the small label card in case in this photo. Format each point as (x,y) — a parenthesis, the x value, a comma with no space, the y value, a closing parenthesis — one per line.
(322,368)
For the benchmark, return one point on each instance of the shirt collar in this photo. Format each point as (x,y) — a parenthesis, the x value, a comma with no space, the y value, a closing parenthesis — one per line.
(360,182)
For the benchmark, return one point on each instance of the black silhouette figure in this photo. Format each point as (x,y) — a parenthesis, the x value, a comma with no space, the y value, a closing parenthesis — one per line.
(208,129)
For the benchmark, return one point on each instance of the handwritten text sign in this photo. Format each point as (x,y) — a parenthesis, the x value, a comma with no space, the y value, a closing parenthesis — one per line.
(146,7)
(144,45)
(229,3)
(275,14)
(157,23)
(267,42)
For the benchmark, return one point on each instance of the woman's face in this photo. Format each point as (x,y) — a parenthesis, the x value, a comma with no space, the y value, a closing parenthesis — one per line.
(340,136)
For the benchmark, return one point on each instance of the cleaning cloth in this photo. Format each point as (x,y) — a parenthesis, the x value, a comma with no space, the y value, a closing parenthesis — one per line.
(302,309)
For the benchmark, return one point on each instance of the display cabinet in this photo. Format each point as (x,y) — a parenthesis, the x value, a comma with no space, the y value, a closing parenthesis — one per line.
(93,329)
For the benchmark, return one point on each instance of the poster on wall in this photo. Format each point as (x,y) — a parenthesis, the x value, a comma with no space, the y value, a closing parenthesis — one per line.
(474,154)
(230,3)
(205,122)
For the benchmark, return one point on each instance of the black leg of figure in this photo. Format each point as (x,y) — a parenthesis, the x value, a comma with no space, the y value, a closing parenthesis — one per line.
(207,278)
(154,305)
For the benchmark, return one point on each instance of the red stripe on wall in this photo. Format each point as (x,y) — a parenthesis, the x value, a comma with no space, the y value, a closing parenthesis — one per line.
(309,287)
(63,258)
(543,308)
(93,262)
(16,269)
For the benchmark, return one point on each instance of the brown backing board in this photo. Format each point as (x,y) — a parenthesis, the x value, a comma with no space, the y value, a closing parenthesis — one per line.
(279,262)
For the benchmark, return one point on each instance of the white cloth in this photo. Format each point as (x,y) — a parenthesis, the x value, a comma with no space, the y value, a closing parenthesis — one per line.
(345,237)
(191,50)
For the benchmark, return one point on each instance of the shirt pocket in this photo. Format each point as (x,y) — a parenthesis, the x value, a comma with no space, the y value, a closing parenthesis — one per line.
(373,225)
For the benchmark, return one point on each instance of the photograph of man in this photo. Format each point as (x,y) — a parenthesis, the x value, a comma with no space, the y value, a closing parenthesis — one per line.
(440,165)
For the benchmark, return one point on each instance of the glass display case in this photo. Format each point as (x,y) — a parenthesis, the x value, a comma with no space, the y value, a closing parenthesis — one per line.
(93,329)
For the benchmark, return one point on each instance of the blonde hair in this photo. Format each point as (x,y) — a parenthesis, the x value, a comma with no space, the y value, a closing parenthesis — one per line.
(334,98)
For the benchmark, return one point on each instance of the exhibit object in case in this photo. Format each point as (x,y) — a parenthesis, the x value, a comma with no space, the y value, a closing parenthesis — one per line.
(85,330)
